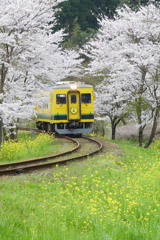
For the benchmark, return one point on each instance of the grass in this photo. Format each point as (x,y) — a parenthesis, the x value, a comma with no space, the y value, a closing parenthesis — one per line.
(106,197)
(29,145)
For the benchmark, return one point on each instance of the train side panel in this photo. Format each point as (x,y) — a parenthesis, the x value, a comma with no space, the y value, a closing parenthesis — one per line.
(60,106)
(87,105)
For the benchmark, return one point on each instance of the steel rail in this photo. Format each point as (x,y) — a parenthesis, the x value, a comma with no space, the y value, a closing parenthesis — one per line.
(26,169)
(41,159)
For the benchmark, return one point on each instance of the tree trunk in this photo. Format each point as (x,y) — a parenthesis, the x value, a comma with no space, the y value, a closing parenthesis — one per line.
(114,123)
(140,136)
(123,121)
(139,115)
(154,127)
(113,131)
(5,135)
(139,104)
(1,131)
(12,132)
(17,129)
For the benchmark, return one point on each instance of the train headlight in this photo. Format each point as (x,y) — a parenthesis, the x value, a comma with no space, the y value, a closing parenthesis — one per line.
(73,87)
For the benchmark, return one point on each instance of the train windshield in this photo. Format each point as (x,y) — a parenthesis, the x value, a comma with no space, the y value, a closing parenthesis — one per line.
(86,98)
(73,99)
(61,98)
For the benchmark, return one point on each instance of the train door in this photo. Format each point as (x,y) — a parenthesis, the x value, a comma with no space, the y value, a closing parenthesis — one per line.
(74,106)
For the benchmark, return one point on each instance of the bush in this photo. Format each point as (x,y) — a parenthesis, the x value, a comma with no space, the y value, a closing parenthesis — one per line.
(26,147)
(156,144)
(99,127)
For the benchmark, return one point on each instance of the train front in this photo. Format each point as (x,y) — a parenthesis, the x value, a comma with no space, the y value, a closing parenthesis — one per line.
(75,108)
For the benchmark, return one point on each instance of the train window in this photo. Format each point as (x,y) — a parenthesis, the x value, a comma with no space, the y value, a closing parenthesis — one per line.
(73,99)
(61,99)
(86,98)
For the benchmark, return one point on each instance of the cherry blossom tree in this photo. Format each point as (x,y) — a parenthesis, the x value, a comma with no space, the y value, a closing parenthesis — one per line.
(29,54)
(108,104)
(127,49)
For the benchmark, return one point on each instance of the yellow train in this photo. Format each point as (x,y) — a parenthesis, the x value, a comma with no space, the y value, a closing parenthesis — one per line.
(69,110)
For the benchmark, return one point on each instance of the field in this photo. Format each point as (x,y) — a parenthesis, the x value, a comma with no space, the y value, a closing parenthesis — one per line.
(112,196)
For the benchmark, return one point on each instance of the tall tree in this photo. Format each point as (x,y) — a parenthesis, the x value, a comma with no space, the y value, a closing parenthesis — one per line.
(109,104)
(84,13)
(29,53)
(128,49)
(135,4)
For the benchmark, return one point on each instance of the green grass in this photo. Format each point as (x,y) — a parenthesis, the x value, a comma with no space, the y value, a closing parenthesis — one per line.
(28,146)
(106,197)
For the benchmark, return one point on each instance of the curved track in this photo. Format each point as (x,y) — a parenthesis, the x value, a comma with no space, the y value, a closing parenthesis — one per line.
(35,164)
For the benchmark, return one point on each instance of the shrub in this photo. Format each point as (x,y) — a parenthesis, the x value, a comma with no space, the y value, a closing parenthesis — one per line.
(156,144)
(26,147)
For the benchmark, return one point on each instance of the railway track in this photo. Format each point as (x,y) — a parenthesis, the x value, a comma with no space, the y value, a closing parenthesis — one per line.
(76,153)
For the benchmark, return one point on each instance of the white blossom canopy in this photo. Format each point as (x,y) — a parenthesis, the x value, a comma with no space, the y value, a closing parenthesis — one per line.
(126,52)
(29,53)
